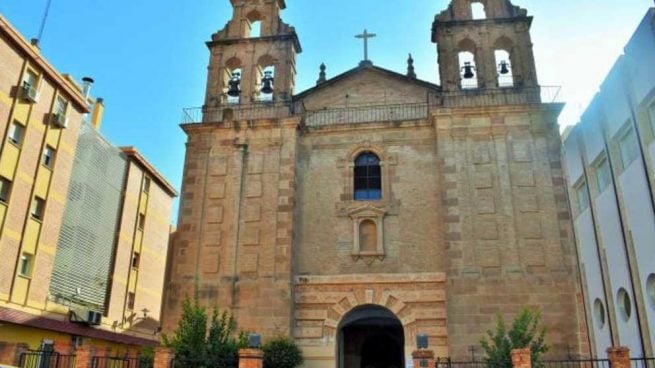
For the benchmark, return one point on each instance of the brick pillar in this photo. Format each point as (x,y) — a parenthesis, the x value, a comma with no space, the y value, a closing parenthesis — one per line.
(84,356)
(163,357)
(522,358)
(251,358)
(423,358)
(619,357)
(10,352)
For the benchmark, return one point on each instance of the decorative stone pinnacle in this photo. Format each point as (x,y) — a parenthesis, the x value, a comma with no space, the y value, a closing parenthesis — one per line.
(410,67)
(321,75)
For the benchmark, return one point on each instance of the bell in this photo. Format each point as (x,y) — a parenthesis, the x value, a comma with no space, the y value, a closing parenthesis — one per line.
(267,83)
(468,70)
(504,67)
(233,85)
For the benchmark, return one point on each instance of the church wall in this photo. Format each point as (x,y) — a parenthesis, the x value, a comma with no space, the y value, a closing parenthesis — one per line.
(509,239)
(233,243)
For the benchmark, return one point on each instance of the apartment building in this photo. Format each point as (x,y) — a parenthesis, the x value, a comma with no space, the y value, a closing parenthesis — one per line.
(610,166)
(84,225)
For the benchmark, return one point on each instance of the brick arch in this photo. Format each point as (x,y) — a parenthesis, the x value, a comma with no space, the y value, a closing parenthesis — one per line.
(386,300)
(367,147)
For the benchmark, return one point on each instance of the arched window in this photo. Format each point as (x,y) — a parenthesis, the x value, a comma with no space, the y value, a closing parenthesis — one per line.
(256,29)
(478,11)
(368,177)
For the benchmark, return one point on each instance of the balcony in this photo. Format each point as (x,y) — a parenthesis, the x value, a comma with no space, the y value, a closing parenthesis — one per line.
(374,113)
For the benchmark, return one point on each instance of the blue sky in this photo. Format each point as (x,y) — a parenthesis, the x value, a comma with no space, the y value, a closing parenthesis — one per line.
(149,59)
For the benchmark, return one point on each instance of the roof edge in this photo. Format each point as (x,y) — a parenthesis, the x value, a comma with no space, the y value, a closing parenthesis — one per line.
(133,153)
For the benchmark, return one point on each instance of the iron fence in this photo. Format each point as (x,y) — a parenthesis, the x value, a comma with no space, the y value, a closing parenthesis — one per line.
(574,363)
(363,114)
(567,363)
(121,362)
(642,363)
(46,359)
(252,111)
(203,362)
(504,94)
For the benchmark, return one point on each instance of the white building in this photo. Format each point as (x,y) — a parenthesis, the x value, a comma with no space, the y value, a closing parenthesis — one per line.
(610,166)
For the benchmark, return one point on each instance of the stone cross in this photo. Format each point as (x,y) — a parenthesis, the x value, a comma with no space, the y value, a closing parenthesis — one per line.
(366,36)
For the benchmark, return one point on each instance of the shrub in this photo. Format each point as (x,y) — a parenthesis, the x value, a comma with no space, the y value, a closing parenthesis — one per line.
(282,352)
(524,333)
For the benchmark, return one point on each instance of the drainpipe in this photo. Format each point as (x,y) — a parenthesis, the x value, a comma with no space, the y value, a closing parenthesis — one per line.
(243,147)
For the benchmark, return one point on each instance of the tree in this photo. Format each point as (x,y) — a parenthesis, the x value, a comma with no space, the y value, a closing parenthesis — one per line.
(197,346)
(188,340)
(282,352)
(222,347)
(524,333)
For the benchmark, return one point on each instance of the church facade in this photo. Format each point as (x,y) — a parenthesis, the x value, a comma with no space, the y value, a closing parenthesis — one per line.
(376,207)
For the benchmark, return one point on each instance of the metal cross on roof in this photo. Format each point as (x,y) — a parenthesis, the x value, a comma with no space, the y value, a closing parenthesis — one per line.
(366,36)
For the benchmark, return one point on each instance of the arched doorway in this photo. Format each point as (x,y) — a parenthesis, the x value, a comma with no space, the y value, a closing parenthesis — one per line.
(371,336)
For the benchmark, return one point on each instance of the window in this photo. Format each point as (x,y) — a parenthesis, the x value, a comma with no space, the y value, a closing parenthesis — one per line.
(30,79)
(5,189)
(38,206)
(624,304)
(26,265)
(629,148)
(599,313)
(130,301)
(256,29)
(48,159)
(146,185)
(61,105)
(583,196)
(478,11)
(368,177)
(142,221)
(136,259)
(650,290)
(603,176)
(16,133)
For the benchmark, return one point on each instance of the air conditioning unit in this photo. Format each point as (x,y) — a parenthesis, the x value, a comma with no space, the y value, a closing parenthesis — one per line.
(28,93)
(60,120)
(86,316)
(94,318)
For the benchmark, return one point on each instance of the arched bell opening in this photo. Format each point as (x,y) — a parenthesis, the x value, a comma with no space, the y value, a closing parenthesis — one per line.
(370,336)
(505,76)
(265,81)
(478,10)
(254,24)
(232,74)
(468,66)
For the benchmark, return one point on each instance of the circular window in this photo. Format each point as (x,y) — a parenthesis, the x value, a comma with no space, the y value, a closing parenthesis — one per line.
(625,305)
(599,313)
(650,290)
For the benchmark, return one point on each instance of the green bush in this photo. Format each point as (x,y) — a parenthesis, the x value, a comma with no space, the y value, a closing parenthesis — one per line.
(197,346)
(524,333)
(282,352)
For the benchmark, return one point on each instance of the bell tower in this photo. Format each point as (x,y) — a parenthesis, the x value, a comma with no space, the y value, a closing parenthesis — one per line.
(484,45)
(253,59)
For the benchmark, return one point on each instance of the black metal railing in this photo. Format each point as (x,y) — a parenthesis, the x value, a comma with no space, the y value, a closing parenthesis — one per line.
(448,363)
(642,363)
(252,111)
(46,359)
(121,362)
(364,114)
(394,111)
(565,363)
(574,363)
(195,362)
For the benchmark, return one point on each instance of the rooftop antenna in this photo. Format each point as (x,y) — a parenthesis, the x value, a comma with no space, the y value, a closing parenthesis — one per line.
(36,40)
